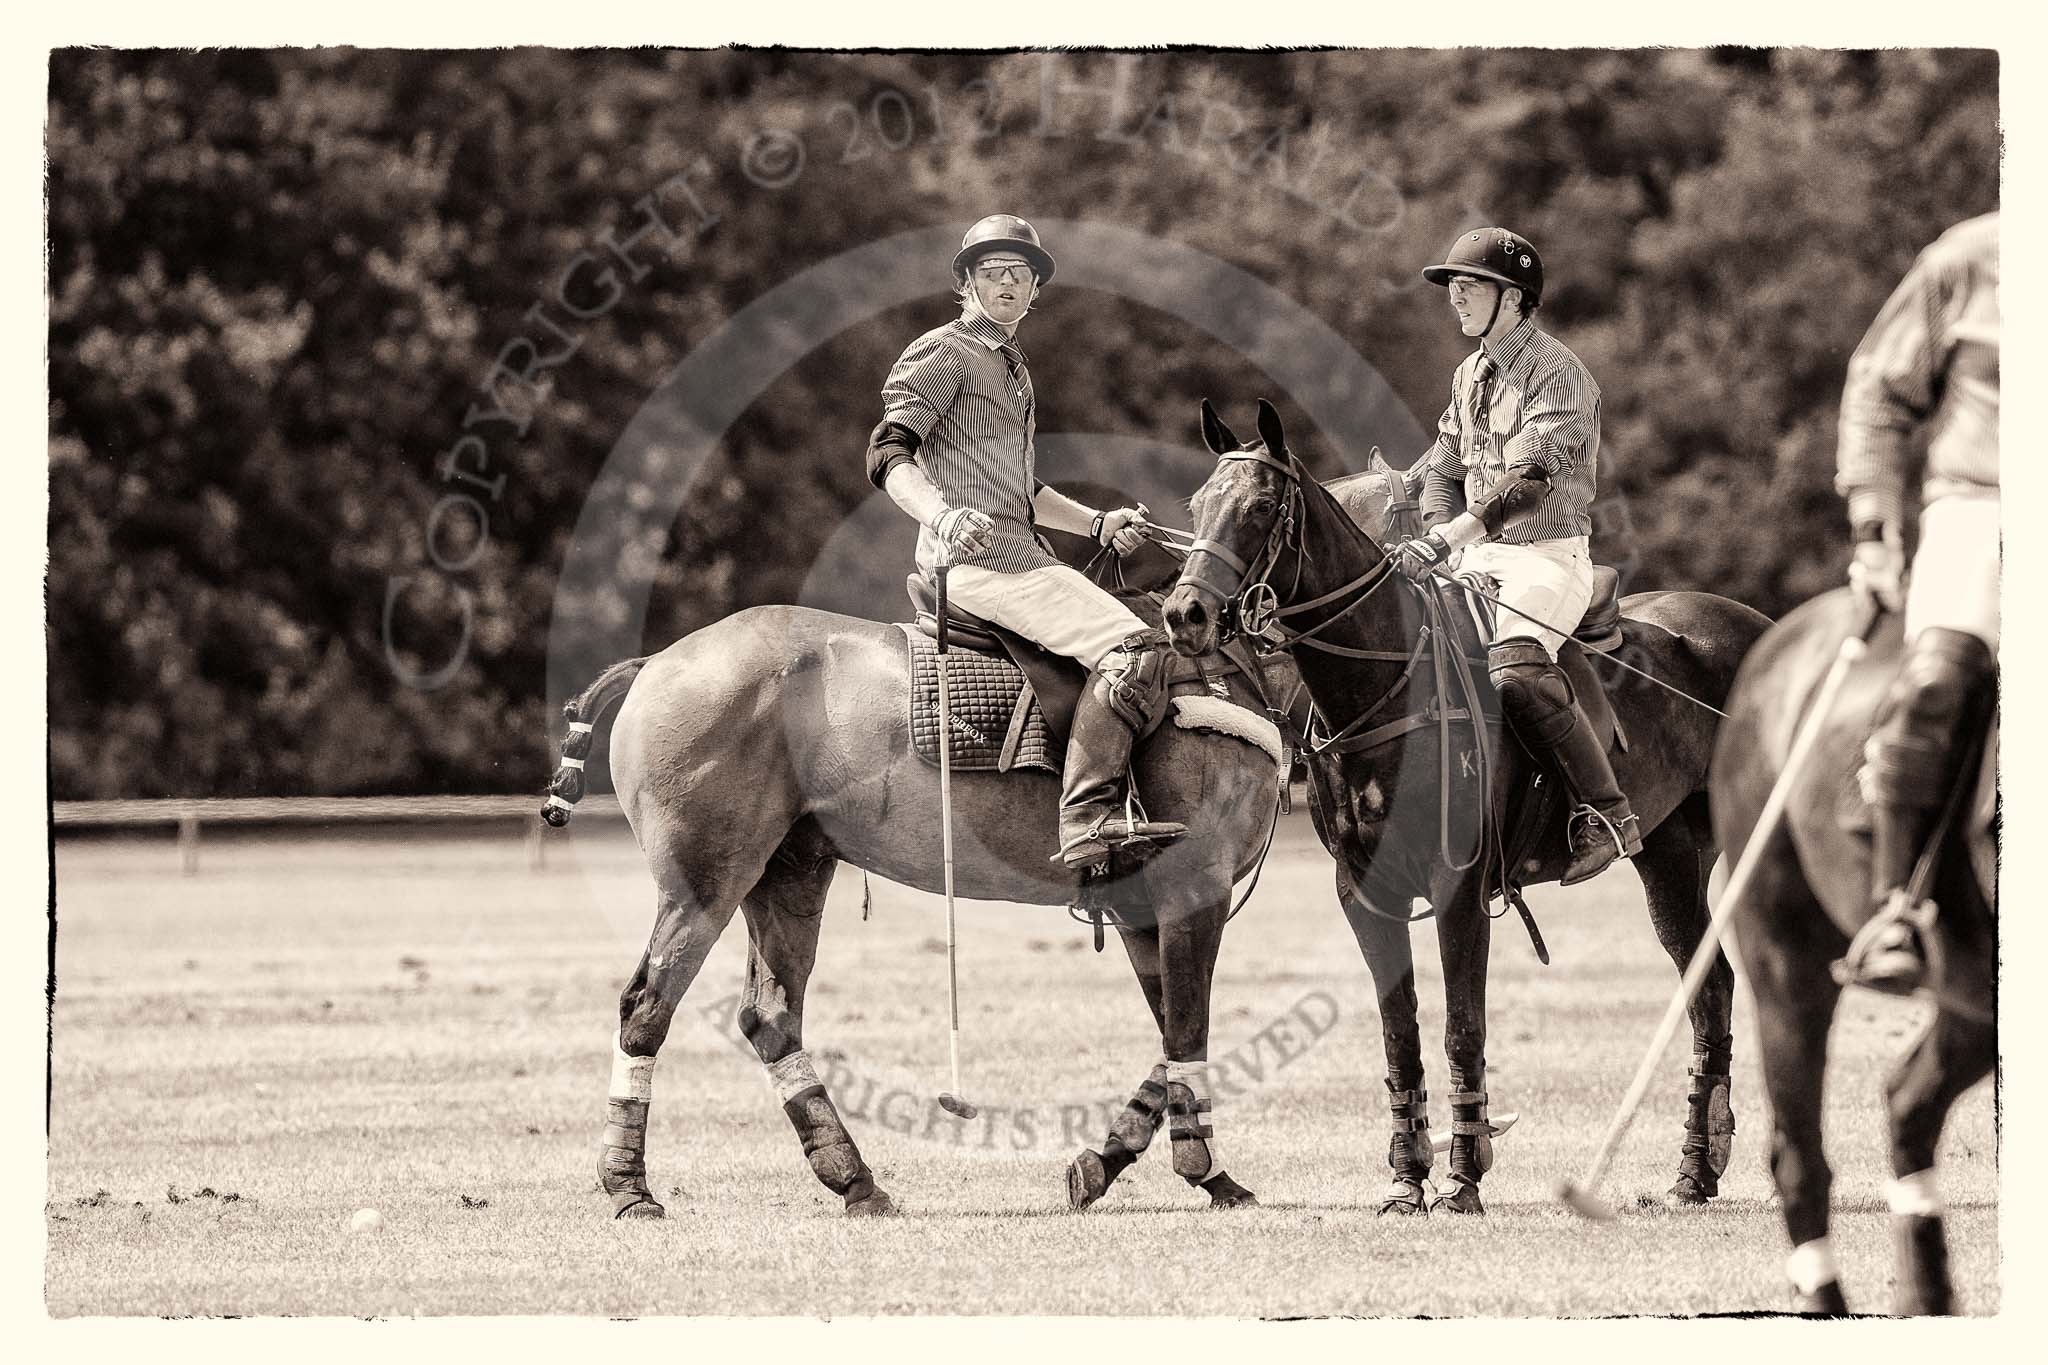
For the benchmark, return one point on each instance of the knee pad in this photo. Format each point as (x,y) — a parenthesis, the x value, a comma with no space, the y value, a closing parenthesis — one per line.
(1535,695)
(1134,679)
(1941,691)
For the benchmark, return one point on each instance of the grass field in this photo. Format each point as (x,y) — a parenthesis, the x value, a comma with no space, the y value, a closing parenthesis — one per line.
(422,1025)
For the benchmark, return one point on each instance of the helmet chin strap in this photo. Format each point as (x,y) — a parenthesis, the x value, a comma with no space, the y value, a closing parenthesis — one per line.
(1500,295)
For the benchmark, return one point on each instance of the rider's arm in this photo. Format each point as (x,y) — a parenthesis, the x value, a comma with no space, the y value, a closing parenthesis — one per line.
(1443,470)
(909,489)
(1056,511)
(1560,418)
(921,387)
(1893,384)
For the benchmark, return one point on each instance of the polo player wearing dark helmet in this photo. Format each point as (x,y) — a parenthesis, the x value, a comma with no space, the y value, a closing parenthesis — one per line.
(954,450)
(1521,438)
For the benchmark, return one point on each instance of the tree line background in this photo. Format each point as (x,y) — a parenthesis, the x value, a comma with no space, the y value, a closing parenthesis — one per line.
(277,279)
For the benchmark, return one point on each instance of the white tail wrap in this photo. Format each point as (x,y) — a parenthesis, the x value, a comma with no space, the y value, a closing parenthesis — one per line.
(572,762)
(792,1075)
(1914,1194)
(586,726)
(632,1077)
(1811,1265)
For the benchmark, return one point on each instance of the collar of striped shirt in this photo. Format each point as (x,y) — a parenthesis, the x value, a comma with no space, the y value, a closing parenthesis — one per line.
(1508,348)
(978,326)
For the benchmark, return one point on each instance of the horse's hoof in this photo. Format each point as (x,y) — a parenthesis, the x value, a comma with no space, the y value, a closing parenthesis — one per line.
(630,1205)
(876,1205)
(1087,1180)
(1689,1193)
(1824,1302)
(1405,1197)
(1225,1193)
(1457,1197)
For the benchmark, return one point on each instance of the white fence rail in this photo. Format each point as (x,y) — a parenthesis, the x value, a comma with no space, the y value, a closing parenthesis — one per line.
(190,816)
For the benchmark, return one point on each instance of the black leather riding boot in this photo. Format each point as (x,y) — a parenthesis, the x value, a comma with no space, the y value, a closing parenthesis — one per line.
(1122,700)
(1537,700)
(1926,728)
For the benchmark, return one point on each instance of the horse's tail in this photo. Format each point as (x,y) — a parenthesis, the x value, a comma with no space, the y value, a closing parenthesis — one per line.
(583,712)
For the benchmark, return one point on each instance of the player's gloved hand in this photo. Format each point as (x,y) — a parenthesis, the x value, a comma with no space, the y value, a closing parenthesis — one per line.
(1418,556)
(963,530)
(1124,529)
(1877,571)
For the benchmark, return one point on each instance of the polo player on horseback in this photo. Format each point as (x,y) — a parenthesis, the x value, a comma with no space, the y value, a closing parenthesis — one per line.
(954,450)
(1928,365)
(1521,440)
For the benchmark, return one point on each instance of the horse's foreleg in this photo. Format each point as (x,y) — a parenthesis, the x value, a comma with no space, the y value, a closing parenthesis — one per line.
(1786,942)
(1188,944)
(1390,957)
(783,913)
(684,931)
(1949,1057)
(1464,936)
(1091,1173)
(1674,866)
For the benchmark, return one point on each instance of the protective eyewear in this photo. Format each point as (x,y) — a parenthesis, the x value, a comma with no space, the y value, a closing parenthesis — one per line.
(1465,284)
(1004,274)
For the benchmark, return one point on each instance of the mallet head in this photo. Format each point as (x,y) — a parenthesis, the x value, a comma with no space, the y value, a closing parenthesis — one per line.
(956,1106)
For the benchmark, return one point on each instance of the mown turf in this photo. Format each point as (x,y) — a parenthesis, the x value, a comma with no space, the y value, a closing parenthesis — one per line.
(423,1026)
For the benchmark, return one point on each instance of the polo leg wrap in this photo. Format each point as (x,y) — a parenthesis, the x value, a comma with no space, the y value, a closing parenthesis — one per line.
(1920,1247)
(1188,1106)
(1410,1153)
(1471,1137)
(1816,1280)
(1131,1132)
(622,1169)
(828,1147)
(1709,1127)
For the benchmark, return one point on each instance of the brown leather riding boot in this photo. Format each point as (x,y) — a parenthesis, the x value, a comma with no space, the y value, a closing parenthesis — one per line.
(1121,701)
(1925,730)
(1537,699)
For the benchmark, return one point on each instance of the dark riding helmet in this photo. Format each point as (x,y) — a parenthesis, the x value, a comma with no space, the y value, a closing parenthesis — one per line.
(1002,232)
(1495,254)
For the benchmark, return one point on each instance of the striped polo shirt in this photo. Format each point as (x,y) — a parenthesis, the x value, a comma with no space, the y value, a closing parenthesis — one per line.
(1540,406)
(965,390)
(1930,359)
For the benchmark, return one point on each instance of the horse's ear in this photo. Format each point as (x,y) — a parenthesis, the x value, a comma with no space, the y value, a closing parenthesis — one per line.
(1218,437)
(1377,462)
(1270,430)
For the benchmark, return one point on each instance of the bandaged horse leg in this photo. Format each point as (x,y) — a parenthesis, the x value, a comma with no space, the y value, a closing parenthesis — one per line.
(1187,950)
(783,919)
(1464,939)
(684,933)
(1123,700)
(1676,860)
(1951,1055)
(1385,945)
(1130,1133)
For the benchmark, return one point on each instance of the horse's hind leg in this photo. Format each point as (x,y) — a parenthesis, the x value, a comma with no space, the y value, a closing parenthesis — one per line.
(1674,866)
(1090,1174)
(1787,941)
(686,927)
(782,913)
(1390,957)
(1950,1056)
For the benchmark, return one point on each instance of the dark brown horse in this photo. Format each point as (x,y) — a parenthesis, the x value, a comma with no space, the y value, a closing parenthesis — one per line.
(1404,816)
(1811,893)
(754,756)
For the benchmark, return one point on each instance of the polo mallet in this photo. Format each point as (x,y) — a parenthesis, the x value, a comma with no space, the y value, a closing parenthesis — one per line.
(949,1100)
(1581,1196)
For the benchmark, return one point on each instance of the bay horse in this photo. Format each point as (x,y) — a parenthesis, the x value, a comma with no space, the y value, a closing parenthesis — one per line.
(754,756)
(1399,813)
(1810,895)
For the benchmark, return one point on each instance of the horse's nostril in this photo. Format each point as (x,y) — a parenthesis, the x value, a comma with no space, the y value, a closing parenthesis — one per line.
(1194,614)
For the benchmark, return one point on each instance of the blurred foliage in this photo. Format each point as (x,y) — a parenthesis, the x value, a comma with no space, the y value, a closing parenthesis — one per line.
(278,279)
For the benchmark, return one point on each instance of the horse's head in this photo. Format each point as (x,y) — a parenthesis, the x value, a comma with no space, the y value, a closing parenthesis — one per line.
(1246,518)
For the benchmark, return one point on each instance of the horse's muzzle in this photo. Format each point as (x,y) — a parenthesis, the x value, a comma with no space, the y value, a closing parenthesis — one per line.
(1191,622)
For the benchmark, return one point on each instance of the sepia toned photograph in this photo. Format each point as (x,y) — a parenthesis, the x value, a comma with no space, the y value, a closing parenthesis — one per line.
(1022,681)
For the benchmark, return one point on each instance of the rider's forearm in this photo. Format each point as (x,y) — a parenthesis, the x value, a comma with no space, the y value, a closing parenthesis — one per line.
(909,488)
(1056,511)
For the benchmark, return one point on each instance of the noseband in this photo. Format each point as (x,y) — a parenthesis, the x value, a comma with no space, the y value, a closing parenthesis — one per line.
(1251,605)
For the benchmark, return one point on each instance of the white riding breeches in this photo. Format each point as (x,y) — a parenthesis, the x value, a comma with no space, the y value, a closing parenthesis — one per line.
(1056,606)
(1551,581)
(1955,571)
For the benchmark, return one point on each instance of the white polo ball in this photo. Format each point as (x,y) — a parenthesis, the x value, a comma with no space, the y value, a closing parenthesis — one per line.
(366,1220)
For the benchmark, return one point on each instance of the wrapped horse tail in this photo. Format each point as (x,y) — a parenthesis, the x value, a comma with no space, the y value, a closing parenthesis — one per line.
(583,712)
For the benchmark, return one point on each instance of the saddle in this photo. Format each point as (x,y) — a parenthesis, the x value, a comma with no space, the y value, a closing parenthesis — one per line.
(1012,701)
